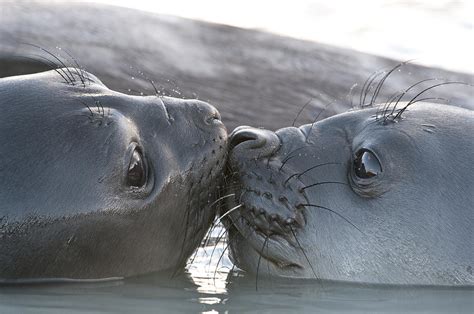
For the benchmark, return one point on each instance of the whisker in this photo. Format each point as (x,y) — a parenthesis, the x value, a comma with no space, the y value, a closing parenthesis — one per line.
(51,64)
(221,198)
(301,110)
(71,77)
(367,86)
(76,68)
(316,119)
(321,183)
(290,156)
(219,261)
(302,250)
(412,101)
(228,212)
(350,96)
(309,169)
(334,212)
(382,81)
(410,88)
(258,263)
(219,238)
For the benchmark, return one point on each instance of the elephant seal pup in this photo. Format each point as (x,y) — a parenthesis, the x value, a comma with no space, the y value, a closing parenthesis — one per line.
(95,183)
(373,195)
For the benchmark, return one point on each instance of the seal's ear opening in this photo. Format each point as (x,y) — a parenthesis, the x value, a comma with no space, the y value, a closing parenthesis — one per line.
(11,66)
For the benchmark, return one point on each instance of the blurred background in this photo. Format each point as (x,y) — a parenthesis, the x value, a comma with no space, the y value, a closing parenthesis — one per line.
(434,32)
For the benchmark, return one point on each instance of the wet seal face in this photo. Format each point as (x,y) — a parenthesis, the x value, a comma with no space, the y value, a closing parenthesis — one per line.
(365,196)
(95,183)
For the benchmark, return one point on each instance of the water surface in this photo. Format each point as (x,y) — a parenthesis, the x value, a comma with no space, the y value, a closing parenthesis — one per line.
(206,288)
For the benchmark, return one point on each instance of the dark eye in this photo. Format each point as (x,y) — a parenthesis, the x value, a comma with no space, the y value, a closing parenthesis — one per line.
(136,175)
(366,165)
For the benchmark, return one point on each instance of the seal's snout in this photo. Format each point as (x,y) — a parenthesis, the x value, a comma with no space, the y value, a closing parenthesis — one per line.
(252,142)
(207,112)
(242,135)
(212,115)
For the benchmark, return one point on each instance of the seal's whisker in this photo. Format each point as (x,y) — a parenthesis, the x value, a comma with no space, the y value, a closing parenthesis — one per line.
(400,96)
(373,83)
(316,119)
(289,156)
(208,236)
(367,86)
(382,110)
(219,261)
(322,183)
(334,212)
(218,240)
(70,76)
(77,67)
(412,101)
(174,88)
(303,251)
(152,83)
(214,225)
(57,67)
(301,110)
(207,239)
(228,212)
(221,198)
(383,79)
(258,263)
(300,174)
(154,87)
(249,223)
(350,96)
(87,106)
(50,64)
(430,99)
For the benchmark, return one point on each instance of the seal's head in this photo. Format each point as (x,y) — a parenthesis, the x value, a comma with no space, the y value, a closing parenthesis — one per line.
(95,183)
(357,197)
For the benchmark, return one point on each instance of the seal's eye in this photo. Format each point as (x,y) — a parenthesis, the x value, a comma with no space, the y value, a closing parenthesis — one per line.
(136,175)
(366,165)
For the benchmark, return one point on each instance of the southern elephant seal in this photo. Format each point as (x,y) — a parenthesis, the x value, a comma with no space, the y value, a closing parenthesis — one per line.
(95,183)
(256,78)
(376,195)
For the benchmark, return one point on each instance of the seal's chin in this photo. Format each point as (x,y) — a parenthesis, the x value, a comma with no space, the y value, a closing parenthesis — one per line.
(257,249)
(263,255)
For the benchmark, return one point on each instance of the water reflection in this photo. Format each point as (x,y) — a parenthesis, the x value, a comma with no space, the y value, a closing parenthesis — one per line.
(210,267)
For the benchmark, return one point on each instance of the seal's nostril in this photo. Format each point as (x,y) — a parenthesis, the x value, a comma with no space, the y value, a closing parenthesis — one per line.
(242,136)
(213,115)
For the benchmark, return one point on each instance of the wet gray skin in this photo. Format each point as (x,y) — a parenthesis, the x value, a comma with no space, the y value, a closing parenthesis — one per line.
(358,197)
(95,183)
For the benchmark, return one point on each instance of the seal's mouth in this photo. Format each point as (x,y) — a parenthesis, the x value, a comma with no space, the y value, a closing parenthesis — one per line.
(266,214)
(252,230)
(270,248)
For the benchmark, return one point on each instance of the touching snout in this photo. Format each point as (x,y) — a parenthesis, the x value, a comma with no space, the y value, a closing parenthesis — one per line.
(250,142)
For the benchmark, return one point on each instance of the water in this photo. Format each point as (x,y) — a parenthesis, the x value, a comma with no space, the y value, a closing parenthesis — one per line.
(206,287)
